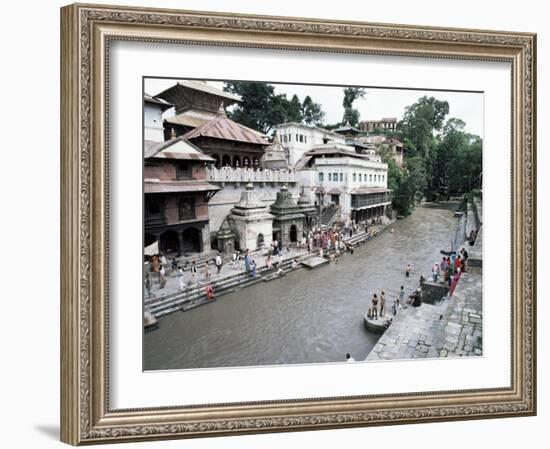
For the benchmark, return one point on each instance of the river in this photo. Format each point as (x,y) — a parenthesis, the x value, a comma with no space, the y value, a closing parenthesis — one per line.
(307,316)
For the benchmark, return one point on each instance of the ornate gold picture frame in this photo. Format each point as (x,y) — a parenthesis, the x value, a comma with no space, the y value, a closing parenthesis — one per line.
(87,31)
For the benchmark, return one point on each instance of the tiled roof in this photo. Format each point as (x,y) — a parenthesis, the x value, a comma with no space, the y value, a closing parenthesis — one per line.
(224,128)
(158,101)
(191,118)
(203,87)
(303,161)
(178,148)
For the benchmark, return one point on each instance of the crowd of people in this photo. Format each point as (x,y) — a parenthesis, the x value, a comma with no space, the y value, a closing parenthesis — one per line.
(328,242)
(450,268)
(447,271)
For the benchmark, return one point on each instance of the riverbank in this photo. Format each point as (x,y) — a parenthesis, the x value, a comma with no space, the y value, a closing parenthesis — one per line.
(172,298)
(452,327)
(307,316)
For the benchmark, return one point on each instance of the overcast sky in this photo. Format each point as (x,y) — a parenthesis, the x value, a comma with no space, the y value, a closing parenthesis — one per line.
(377,103)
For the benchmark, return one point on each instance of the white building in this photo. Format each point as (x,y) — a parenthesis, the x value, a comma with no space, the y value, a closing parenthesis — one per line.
(297,139)
(153,108)
(334,174)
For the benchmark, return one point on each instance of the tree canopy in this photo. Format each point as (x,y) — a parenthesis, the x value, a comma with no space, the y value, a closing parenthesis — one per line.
(442,159)
(262,109)
(351,115)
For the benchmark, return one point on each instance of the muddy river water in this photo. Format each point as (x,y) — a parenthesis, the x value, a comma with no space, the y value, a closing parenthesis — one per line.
(306,316)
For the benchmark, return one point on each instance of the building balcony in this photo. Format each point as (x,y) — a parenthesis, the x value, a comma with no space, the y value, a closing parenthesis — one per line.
(246,175)
(151,222)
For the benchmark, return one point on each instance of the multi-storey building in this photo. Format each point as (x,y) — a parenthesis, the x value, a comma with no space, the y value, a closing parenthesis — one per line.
(176,197)
(229,143)
(380,142)
(175,186)
(385,124)
(297,139)
(196,103)
(337,175)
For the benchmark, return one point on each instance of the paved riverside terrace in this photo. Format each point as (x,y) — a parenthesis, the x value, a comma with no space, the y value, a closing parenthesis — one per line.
(452,328)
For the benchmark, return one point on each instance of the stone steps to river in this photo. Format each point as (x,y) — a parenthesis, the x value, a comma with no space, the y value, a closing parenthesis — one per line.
(196,296)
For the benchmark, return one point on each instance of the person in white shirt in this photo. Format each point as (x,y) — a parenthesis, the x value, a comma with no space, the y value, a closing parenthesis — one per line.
(218,263)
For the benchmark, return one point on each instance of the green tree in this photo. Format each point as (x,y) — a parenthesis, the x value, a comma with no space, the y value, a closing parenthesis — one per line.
(294,110)
(312,114)
(262,109)
(410,186)
(351,115)
(421,121)
(459,159)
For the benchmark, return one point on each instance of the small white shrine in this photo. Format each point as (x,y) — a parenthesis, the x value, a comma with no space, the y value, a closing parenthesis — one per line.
(251,221)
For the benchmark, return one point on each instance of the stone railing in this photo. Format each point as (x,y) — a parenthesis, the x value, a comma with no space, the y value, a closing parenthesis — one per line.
(246,175)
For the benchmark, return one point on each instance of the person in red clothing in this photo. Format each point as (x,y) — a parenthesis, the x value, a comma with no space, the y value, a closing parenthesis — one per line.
(458,263)
(454,281)
(209,291)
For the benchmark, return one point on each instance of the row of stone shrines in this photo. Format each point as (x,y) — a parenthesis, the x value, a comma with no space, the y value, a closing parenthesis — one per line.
(251,225)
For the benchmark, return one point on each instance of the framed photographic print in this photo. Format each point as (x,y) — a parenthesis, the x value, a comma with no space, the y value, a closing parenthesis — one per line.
(280,224)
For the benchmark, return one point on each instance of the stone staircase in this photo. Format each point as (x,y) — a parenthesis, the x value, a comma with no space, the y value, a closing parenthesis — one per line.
(195,295)
(329,215)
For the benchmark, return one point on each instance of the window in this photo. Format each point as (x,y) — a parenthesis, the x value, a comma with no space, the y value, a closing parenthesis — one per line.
(301,138)
(184,171)
(186,208)
(335,177)
(297,138)
(354,177)
(305,139)
(341,177)
(330,176)
(360,177)
(321,177)
(370,177)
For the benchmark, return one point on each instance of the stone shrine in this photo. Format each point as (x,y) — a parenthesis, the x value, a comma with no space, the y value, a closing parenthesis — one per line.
(289,223)
(251,221)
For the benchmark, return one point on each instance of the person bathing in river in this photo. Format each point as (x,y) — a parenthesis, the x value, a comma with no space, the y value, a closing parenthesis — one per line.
(402,294)
(435,272)
(374,302)
(408,270)
(382,303)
